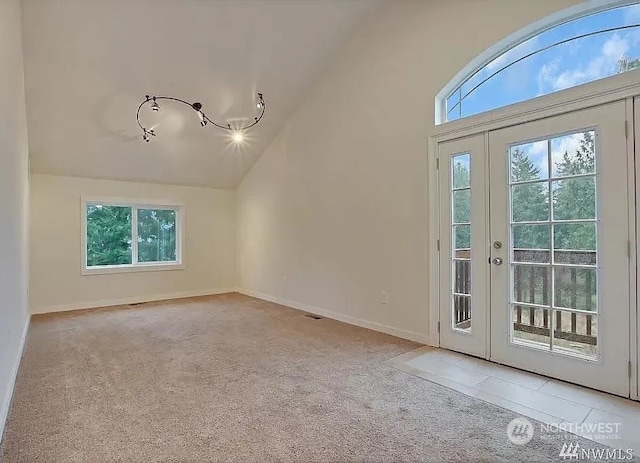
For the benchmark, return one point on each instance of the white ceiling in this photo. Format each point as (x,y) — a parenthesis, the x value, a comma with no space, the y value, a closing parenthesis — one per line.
(89,63)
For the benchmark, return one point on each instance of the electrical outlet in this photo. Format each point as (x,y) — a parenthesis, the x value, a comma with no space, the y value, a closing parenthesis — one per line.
(384,297)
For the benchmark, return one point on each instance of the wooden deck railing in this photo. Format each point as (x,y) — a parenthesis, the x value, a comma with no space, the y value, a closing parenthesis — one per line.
(573,286)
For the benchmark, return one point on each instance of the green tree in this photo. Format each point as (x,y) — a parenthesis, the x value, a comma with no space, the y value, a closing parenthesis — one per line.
(462,204)
(156,235)
(529,200)
(108,235)
(529,203)
(574,198)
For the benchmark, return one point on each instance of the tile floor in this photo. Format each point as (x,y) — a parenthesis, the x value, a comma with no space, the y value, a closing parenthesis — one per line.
(549,401)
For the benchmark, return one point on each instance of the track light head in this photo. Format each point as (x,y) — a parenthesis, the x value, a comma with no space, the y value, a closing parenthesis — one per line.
(146,133)
(154,105)
(203,119)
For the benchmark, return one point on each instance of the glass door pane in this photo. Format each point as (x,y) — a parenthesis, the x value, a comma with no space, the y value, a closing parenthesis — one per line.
(552,186)
(460,167)
(560,292)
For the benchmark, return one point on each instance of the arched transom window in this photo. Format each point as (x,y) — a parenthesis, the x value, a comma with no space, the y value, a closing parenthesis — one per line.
(581,50)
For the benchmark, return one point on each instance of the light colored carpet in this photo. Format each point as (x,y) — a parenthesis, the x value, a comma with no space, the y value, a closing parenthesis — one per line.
(232,378)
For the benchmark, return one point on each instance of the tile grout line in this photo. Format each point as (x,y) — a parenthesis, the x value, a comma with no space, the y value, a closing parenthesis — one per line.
(547,381)
(519,405)
(585,418)
(501,379)
(590,407)
(613,397)
(542,385)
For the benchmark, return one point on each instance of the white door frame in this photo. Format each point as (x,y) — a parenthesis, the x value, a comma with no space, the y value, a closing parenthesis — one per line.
(633,114)
(624,86)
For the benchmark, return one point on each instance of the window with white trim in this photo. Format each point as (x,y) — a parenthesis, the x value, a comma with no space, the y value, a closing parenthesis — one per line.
(575,52)
(121,236)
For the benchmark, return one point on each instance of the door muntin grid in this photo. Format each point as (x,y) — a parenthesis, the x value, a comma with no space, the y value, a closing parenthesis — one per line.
(553,234)
(461,207)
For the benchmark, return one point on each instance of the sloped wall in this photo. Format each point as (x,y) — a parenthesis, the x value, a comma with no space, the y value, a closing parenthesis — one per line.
(335,211)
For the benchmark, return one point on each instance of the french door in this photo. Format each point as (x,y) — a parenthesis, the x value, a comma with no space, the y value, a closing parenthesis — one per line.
(535,247)
(463,245)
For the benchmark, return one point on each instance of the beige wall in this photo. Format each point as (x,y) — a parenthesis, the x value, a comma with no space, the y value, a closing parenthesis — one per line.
(335,211)
(56,280)
(14,191)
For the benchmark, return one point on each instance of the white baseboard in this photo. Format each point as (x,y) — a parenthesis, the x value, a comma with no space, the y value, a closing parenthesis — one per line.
(129,300)
(398,332)
(6,401)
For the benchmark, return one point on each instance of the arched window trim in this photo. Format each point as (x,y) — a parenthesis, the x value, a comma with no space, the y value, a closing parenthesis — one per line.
(513,40)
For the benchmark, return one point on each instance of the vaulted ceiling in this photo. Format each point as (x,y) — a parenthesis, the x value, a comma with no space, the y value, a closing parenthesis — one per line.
(89,63)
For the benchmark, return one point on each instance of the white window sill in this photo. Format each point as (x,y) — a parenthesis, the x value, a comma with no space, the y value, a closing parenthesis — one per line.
(132,268)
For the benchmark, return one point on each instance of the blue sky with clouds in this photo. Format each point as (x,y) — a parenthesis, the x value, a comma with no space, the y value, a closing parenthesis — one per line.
(563,66)
(539,152)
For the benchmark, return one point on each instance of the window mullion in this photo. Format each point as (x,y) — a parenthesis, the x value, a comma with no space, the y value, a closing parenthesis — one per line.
(134,235)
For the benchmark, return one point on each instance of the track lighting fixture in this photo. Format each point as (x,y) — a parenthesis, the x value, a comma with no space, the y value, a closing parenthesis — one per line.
(237,132)
(147,132)
(203,120)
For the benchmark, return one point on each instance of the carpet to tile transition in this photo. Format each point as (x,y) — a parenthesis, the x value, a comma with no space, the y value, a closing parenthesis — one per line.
(232,378)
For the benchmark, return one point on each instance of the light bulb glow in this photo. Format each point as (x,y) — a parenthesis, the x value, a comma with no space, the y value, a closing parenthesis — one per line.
(238,137)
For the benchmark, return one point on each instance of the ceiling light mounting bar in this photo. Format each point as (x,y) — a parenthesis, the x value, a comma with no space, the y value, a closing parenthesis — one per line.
(197,107)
